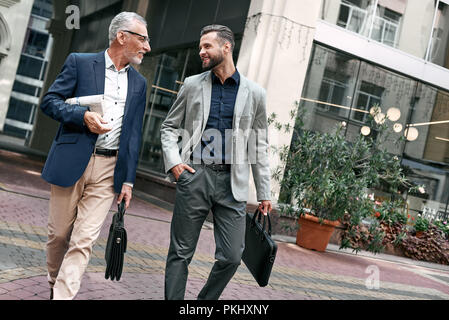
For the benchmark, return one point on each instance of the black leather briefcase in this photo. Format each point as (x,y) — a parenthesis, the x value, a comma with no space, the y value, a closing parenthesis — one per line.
(260,249)
(116,245)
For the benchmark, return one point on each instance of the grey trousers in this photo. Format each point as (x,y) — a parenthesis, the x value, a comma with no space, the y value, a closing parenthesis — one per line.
(197,194)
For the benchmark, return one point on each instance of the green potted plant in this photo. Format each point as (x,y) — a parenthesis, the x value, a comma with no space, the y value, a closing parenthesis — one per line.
(443,226)
(325,180)
(421,226)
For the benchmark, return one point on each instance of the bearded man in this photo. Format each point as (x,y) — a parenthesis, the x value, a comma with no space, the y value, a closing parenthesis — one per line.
(215,113)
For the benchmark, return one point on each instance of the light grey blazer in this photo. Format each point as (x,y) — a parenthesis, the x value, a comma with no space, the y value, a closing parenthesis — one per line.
(188,116)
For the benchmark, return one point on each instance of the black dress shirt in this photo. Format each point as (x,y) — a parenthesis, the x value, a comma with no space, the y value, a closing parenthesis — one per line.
(219,122)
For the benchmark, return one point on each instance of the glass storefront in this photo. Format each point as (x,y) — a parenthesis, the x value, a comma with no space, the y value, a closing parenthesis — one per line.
(417,27)
(342,88)
(169,69)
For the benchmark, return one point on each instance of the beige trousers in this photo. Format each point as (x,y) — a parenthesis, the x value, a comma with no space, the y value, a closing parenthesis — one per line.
(76,216)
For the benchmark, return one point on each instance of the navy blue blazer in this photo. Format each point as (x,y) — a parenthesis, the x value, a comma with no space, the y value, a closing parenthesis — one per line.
(83,74)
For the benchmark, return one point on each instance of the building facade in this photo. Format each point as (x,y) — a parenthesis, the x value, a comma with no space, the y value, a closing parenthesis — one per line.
(337,58)
(14,16)
(391,53)
(31,70)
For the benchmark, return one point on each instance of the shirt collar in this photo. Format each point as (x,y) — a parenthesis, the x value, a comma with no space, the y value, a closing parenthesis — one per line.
(235,77)
(110,65)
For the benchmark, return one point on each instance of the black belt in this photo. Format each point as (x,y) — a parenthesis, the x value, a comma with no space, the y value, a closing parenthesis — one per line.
(218,167)
(105,152)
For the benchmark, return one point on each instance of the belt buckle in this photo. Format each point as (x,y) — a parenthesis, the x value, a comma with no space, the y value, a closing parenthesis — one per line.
(98,149)
(105,152)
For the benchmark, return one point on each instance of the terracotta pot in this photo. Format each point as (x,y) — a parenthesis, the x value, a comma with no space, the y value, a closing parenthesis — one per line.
(314,235)
(419,234)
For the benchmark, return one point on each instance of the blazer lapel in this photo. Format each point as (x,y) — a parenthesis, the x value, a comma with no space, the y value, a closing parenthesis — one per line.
(99,66)
(240,101)
(207,96)
(131,79)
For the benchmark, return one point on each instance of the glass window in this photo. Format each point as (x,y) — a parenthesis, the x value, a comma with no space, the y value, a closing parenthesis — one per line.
(43,8)
(353,16)
(170,70)
(36,44)
(20,110)
(438,52)
(25,88)
(368,95)
(14,131)
(19,118)
(402,24)
(328,91)
(332,91)
(426,155)
(415,111)
(390,92)
(386,26)
(31,67)
(429,125)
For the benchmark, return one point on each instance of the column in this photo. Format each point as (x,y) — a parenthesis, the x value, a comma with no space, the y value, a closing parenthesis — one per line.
(14,16)
(45,128)
(275,53)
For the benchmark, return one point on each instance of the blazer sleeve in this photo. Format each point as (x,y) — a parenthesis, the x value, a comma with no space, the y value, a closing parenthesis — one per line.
(53,103)
(261,167)
(170,130)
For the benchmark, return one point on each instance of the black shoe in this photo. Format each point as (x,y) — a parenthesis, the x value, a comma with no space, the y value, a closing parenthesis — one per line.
(51,293)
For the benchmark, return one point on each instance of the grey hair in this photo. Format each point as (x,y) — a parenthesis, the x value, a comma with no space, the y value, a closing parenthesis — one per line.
(224,34)
(123,21)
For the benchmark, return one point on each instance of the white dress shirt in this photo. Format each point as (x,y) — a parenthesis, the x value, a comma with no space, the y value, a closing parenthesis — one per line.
(115,91)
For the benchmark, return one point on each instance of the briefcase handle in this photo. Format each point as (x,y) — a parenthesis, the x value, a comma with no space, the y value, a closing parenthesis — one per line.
(121,210)
(258,215)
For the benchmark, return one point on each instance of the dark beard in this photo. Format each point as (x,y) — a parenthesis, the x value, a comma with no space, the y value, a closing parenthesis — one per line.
(213,62)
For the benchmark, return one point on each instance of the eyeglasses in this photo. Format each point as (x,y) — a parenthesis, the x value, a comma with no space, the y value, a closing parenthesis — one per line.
(143,38)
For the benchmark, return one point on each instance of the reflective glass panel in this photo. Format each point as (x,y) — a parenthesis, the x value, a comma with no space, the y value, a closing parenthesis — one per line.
(438,52)
(426,154)
(329,88)
(391,93)
(417,112)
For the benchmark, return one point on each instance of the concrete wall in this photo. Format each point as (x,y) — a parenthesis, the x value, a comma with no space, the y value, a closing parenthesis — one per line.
(14,22)
(275,53)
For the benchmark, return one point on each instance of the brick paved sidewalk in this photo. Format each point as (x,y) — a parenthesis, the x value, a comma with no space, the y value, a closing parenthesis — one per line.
(298,274)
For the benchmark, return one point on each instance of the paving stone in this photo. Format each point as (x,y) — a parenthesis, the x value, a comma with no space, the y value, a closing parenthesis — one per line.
(298,273)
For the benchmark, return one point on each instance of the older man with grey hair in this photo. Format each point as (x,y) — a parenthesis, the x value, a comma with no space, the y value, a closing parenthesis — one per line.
(94,156)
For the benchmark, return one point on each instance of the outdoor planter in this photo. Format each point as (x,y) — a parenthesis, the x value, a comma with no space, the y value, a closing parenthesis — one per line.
(419,234)
(335,177)
(313,234)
